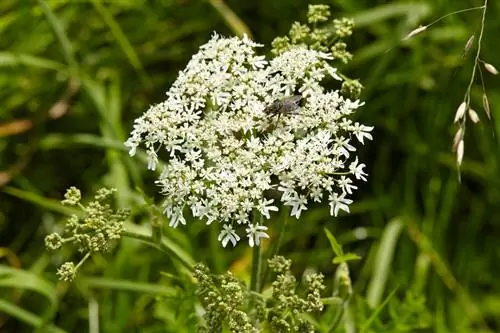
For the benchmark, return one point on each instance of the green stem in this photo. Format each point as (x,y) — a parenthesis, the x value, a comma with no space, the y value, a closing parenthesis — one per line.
(256,263)
(82,261)
(457,12)
(476,60)
(281,232)
(338,317)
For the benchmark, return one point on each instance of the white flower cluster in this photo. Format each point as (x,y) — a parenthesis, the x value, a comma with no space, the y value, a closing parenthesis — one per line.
(227,157)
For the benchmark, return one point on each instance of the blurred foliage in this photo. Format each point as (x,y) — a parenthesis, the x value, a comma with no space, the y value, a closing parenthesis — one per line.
(73,76)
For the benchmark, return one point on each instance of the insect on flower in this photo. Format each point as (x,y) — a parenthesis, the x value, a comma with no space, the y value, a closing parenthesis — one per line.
(287,105)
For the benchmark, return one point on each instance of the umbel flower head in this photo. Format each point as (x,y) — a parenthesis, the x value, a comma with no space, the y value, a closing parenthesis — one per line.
(229,157)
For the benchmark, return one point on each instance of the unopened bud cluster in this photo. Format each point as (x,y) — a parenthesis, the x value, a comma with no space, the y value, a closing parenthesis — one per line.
(228,303)
(225,301)
(287,308)
(91,231)
(318,35)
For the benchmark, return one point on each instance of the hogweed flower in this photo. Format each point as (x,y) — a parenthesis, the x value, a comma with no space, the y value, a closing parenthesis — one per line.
(228,158)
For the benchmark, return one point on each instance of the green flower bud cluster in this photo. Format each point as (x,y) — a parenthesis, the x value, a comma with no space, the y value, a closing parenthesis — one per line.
(317,34)
(343,27)
(318,14)
(287,308)
(351,88)
(225,300)
(321,36)
(228,304)
(92,231)
(339,51)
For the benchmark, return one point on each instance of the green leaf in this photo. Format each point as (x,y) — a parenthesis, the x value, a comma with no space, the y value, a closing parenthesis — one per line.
(377,311)
(17,59)
(49,204)
(58,28)
(346,257)
(25,316)
(383,261)
(122,40)
(337,249)
(332,300)
(21,279)
(132,286)
(166,244)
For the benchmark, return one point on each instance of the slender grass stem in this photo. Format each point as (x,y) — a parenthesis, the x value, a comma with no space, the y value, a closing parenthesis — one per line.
(478,52)
(457,12)
(160,245)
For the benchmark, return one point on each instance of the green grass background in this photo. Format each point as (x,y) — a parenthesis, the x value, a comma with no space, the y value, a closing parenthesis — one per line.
(74,75)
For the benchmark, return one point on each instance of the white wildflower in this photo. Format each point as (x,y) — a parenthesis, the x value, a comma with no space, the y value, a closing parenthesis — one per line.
(255,233)
(357,170)
(361,131)
(298,204)
(338,202)
(346,184)
(264,207)
(227,158)
(228,235)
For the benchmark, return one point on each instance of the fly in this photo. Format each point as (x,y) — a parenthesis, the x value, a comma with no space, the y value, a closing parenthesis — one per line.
(287,105)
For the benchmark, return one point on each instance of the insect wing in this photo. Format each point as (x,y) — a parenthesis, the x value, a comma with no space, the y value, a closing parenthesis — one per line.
(285,105)
(274,108)
(291,105)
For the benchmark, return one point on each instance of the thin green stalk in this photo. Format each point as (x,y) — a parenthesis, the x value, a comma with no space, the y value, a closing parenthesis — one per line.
(456,12)
(478,51)
(60,34)
(233,21)
(338,317)
(255,281)
(281,232)
(256,263)
(82,261)
(160,245)
(123,41)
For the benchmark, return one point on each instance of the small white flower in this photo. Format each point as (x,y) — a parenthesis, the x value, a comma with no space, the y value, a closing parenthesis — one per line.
(338,203)
(264,207)
(152,159)
(344,146)
(255,233)
(228,234)
(361,131)
(333,72)
(357,170)
(298,204)
(176,218)
(345,184)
